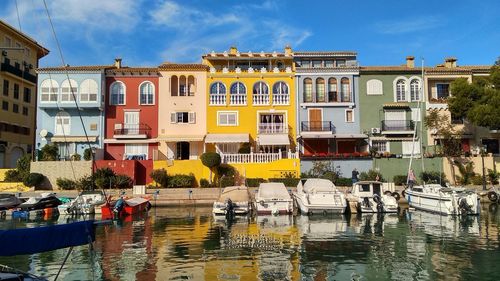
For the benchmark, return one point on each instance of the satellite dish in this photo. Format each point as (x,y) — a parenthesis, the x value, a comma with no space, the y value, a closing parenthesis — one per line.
(43,133)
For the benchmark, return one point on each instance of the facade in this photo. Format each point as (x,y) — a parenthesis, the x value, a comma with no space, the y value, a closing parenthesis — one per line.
(182,111)
(328,113)
(131,128)
(251,106)
(18,61)
(70,109)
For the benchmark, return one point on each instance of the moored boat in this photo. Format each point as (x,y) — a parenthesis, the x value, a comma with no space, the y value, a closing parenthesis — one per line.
(273,198)
(125,207)
(319,196)
(234,199)
(372,198)
(9,201)
(85,203)
(46,200)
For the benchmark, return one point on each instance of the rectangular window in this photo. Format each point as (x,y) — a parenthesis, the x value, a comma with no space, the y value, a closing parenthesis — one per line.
(5,105)
(328,63)
(349,116)
(16,91)
(379,146)
(415,114)
(409,146)
(443,91)
(227,118)
(308,97)
(306,63)
(316,63)
(7,42)
(6,87)
(27,95)
(456,119)
(25,111)
(182,117)
(15,108)
(136,151)
(340,63)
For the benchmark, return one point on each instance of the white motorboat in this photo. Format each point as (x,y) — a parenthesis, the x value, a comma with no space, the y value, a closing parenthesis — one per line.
(43,201)
(443,200)
(319,196)
(235,199)
(445,226)
(273,198)
(85,203)
(372,198)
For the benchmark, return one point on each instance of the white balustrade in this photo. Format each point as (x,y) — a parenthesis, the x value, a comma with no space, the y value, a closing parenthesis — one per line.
(250,157)
(281,99)
(238,99)
(260,99)
(217,99)
(272,128)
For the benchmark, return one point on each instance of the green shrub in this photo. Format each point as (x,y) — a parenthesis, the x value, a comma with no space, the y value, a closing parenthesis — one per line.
(13,176)
(371,175)
(34,179)
(50,152)
(67,184)
(227,181)
(181,181)
(160,177)
(123,181)
(343,182)
(87,183)
(210,159)
(204,183)
(23,166)
(433,177)
(399,179)
(254,182)
(104,177)
(477,179)
(76,157)
(493,176)
(244,148)
(226,170)
(87,154)
(288,182)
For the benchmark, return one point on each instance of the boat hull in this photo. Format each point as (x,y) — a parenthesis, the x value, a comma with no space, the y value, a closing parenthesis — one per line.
(240,209)
(132,206)
(269,207)
(442,203)
(306,207)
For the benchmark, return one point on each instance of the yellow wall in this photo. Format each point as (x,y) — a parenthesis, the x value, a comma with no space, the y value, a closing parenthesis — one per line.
(274,169)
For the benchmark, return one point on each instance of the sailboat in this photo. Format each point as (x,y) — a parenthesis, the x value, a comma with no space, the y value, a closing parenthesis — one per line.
(434,197)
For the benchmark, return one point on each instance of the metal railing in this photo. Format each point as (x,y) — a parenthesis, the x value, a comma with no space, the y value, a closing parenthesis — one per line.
(317,126)
(18,72)
(133,129)
(398,125)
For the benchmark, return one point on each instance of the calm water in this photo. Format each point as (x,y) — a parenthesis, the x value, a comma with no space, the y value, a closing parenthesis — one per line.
(189,244)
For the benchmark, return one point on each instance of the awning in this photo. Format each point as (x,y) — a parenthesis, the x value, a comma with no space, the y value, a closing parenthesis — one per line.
(392,139)
(397,105)
(278,139)
(227,138)
(177,138)
(73,139)
(131,141)
(350,136)
(316,136)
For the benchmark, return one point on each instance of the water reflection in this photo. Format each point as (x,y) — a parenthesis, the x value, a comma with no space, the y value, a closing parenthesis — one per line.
(190,244)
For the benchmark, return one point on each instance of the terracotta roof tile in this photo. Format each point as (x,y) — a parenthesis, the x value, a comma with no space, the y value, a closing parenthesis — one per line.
(244,55)
(75,68)
(324,53)
(132,69)
(180,66)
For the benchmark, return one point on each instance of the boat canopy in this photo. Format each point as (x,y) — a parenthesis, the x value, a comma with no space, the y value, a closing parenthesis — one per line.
(236,193)
(318,185)
(273,190)
(25,241)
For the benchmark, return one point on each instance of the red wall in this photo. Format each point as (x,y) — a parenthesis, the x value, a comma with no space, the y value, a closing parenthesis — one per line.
(138,170)
(115,151)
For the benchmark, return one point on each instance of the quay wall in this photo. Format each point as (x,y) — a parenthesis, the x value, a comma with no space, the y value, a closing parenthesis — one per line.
(60,169)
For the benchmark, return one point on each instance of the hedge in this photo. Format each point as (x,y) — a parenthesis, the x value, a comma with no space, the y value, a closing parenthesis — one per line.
(181,181)
(400,179)
(254,182)
(227,181)
(67,184)
(288,182)
(343,182)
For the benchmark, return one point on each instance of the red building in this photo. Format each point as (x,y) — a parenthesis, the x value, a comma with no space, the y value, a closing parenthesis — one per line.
(131,127)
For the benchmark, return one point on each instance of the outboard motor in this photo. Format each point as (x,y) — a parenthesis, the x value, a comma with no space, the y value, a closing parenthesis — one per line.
(463,207)
(119,206)
(229,209)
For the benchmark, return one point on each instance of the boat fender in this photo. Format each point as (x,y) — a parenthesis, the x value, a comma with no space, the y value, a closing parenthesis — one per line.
(261,202)
(396,195)
(493,196)
(388,193)
(376,198)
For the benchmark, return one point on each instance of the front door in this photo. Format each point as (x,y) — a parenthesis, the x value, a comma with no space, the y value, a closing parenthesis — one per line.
(131,124)
(315,119)
(183,150)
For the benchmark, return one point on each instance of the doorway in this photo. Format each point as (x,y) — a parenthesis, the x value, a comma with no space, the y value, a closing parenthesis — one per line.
(183,150)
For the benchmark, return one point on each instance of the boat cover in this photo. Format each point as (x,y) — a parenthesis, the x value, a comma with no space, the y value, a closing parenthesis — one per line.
(236,193)
(318,185)
(25,241)
(273,190)
(135,201)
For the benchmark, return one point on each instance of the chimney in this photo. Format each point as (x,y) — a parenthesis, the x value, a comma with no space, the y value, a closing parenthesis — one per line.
(288,50)
(410,61)
(118,63)
(450,62)
(233,50)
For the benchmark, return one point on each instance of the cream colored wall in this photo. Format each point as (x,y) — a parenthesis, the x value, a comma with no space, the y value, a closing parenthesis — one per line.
(489,163)
(432,80)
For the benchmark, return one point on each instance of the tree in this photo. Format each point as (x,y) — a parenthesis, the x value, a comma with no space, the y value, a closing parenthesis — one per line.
(50,152)
(211,160)
(33,179)
(87,154)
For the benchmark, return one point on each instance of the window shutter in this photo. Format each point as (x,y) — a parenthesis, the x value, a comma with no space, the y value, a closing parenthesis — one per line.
(192,117)
(173,117)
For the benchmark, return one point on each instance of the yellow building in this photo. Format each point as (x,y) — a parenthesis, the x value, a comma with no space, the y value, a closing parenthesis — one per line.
(251,106)
(18,60)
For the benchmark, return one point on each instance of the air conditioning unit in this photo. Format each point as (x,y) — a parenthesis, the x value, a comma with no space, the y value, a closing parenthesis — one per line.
(375,130)
(118,126)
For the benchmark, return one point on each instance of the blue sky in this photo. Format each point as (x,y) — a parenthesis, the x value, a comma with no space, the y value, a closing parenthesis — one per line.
(149,32)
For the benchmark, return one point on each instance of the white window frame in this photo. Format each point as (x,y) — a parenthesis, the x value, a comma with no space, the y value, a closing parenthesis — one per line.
(219,113)
(84,90)
(387,145)
(61,116)
(152,102)
(136,149)
(374,87)
(442,83)
(419,88)
(406,148)
(174,117)
(416,115)
(345,116)
(53,87)
(111,93)
(68,84)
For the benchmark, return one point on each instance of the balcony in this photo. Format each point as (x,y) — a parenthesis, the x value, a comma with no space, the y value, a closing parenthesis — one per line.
(281,99)
(131,131)
(317,126)
(233,158)
(397,126)
(217,99)
(261,99)
(238,99)
(18,72)
(273,128)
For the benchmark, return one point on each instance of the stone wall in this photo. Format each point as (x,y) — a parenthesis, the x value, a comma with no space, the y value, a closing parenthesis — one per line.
(61,169)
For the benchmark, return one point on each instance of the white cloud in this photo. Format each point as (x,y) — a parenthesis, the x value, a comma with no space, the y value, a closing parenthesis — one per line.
(409,25)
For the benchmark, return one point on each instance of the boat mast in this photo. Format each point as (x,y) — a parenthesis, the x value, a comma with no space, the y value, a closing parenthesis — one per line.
(422,96)
(415,128)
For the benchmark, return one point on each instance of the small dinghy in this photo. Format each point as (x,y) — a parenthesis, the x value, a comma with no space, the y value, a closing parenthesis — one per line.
(234,200)
(125,207)
(273,198)
(85,203)
(9,201)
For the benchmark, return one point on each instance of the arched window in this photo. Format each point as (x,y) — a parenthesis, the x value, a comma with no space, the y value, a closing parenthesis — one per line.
(63,124)
(308,96)
(415,90)
(332,90)
(183,88)
(50,89)
(320,90)
(238,94)
(69,90)
(217,94)
(88,90)
(401,90)
(174,86)
(117,93)
(280,93)
(345,89)
(260,93)
(147,93)
(191,85)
